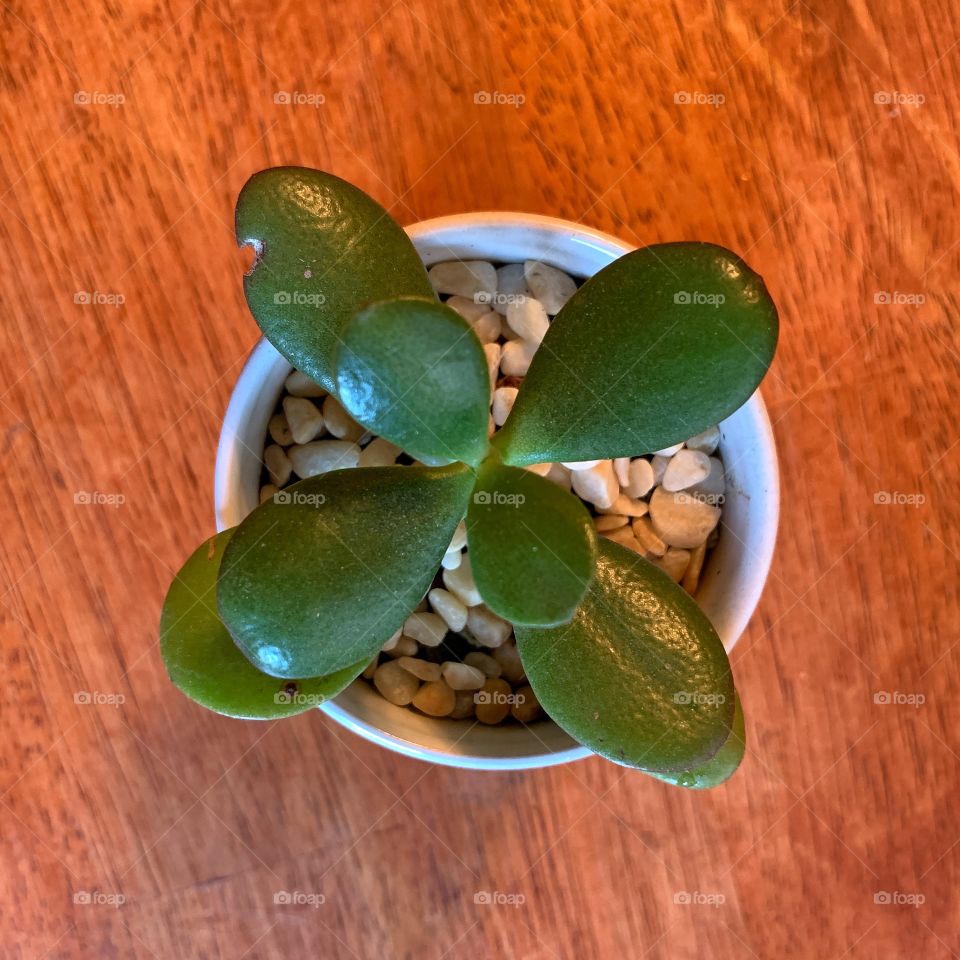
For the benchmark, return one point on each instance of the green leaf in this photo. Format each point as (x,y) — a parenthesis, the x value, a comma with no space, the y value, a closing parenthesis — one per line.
(321,575)
(205,663)
(324,249)
(532,546)
(721,767)
(639,675)
(653,349)
(413,371)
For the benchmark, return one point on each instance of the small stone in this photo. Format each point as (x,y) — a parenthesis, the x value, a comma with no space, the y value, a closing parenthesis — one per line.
(300,385)
(705,442)
(610,521)
(576,465)
(691,578)
(421,669)
(628,506)
(371,668)
(461,676)
(526,706)
(322,456)
(404,647)
(426,628)
(647,537)
(511,285)
(484,663)
(267,491)
(395,684)
(680,519)
(305,420)
(509,659)
(560,475)
(598,485)
(674,563)
(624,536)
(528,320)
(621,467)
(465,278)
(493,701)
(668,451)
(503,400)
(435,699)
(340,424)
(486,628)
(459,539)
(463,704)
(551,286)
(392,642)
(459,581)
(659,465)
(517,355)
(452,559)
(278,464)
(540,469)
(468,308)
(714,486)
(685,468)
(452,610)
(279,429)
(378,453)
(493,354)
(641,479)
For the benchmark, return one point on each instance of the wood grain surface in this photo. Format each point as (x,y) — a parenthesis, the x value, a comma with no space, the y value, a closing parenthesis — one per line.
(818,139)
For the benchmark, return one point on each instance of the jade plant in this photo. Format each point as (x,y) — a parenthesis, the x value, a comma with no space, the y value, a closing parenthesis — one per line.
(662,343)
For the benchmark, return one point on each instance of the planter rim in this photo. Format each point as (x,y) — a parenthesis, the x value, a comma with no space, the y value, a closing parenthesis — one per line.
(463,236)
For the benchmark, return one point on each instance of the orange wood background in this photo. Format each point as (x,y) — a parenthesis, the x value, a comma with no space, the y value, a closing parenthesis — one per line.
(830,162)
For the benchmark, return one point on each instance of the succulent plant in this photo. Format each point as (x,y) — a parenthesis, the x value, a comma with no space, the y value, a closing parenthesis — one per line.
(306,590)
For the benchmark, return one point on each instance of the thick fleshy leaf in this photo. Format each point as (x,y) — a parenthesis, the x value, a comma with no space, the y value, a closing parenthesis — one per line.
(324,249)
(204,662)
(322,574)
(413,371)
(639,675)
(721,767)
(532,546)
(653,349)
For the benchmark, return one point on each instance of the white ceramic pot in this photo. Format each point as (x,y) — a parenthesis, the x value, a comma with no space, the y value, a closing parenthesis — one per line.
(733,576)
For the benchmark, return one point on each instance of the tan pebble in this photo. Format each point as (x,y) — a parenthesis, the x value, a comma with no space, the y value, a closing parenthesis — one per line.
(449,607)
(459,539)
(624,536)
(621,467)
(486,628)
(598,485)
(493,701)
(465,278)
(484,663)
(540,469)
(517,356)
(682,519)
(395,684)
(641,479)
(426,628)
(378,453)
(647,537)
(463,704)
(322,456)
(267,491)
(421,669)
(503,400)
(492,352)
(300,385)
(304,419)
(392,642)
(610,521)
(340,424)
(371,668)
(468,308)
(560,475)
(674,563)
(461,676)
(508,657)
(435,699)
(459,581)
(669,451)
(659,465)
(627,506)
(691,578)
(526,706)
(404,647)
(278,464)
(279,430)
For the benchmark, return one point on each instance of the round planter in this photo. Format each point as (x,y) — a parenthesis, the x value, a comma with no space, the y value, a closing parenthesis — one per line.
(732,578)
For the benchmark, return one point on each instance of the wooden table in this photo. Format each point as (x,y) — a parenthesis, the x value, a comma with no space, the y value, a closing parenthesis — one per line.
(817,139)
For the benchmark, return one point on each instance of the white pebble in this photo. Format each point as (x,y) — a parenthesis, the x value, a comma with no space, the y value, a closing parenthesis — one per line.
(503,401)
(451,609)
(576,465)
(468,308)
(685,468)
(668,451)
(511,285)
(641,478)
(278,465)
(322,456)
(528,320)
(659,465)
(452,559)
(517,356)
(560,475)
(279,430)
(305,420)
(426,628)
(300,385)
(378,453)
(681,519)
(340,424)
(465,278)
(459,581)
(551,286)
(486,628)
(598,485)
(715,484)
(461,676)
(493,354)
(392,642)
(459,540)
(706,442)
